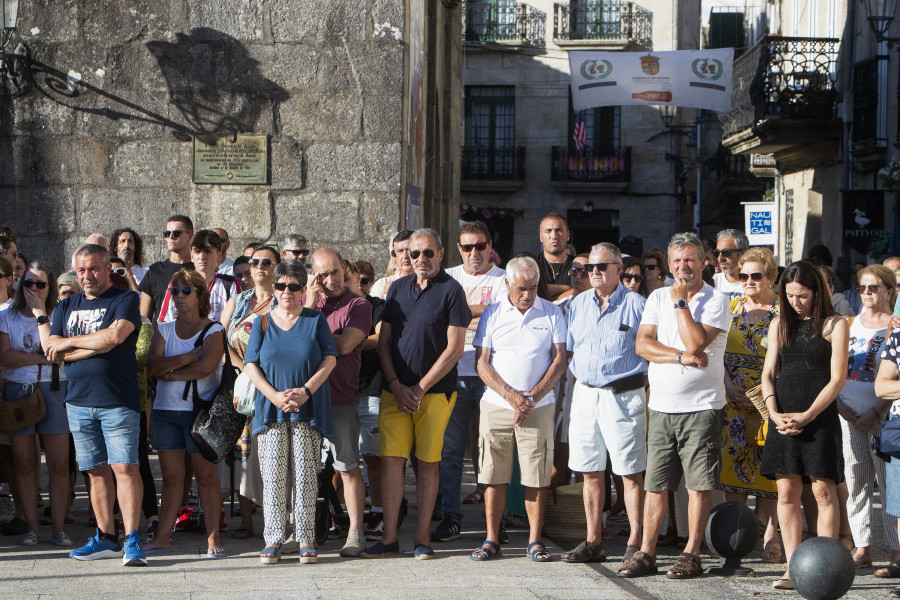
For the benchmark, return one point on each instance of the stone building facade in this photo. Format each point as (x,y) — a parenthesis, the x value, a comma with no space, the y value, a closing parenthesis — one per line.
(119,90)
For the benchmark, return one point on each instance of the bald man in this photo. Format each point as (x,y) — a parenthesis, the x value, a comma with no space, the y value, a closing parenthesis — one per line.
(226,265)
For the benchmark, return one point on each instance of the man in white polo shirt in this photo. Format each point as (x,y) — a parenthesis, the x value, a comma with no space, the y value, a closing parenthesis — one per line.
(520,350)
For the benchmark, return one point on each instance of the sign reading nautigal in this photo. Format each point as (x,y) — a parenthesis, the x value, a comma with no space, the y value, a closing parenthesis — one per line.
(695,78)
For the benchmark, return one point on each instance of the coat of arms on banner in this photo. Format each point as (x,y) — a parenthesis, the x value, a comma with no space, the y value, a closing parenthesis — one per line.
(650,64)
(596,69)
(706,68)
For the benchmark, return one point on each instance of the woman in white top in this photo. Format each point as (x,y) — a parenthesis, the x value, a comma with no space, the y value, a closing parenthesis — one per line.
(24,368)
(6,283)
(863,412)
(176,360)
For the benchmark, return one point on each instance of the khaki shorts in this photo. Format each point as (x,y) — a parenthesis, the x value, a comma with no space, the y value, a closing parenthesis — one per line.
(499,440)
(398,431)
(684,443)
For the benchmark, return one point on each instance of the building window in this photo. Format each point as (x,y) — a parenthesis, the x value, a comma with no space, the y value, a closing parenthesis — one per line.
(592,227)
(726,29)
(490,20)
(602,128)
(490,141)
(596,19)
(869,127)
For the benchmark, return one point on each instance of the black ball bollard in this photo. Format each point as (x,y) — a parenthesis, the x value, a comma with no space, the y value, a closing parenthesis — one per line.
(731,532)
(822,569)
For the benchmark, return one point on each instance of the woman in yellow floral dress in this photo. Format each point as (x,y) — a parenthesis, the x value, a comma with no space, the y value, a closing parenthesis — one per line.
(743,434)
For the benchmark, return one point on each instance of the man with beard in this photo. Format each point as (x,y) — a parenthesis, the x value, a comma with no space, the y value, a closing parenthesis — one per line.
(155,283)
(554,261)
(128,245)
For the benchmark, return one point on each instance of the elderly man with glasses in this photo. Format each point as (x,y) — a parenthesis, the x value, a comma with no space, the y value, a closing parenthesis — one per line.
(295,247)
(399,249)
(153,287)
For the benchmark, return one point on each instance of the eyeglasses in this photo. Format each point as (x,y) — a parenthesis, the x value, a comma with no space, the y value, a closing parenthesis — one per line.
(32,283)
(265,263)
(292,287)
(627,277)
(364,281)
(175,233)
(186,290)
(745,277)
(428,252)
(651,267)
(589,267)
(576,272)
(726,252)
(119,270)
(297,253)
(479,247)
(871,288)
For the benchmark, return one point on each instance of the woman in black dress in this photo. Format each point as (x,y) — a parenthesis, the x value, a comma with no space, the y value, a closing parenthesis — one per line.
(804,371)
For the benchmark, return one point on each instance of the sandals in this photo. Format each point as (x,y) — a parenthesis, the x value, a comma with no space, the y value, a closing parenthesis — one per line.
(215,552)
(308,555)
(270,555)
(891,571)
(895,593)
(538,553)
(641,564)
(476,497)
(782,584)
(629,554)
(687,566)
(482,554)
(772,552)
(585,552)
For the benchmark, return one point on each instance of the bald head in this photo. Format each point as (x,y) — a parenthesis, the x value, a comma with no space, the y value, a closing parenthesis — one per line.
(97,240)
(892,263)
(328,272)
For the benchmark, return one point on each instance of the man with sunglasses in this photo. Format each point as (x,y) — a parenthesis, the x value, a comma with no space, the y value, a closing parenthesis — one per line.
(730,246)
(95,332)
(226,265)
(153,287)
(422,337)
(399,249)
(295,247)
(484,284)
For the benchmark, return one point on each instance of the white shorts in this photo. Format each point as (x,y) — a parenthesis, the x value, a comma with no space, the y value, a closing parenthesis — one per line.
(602,421)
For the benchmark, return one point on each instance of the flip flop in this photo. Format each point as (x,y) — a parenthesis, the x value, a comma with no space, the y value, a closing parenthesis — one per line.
(215,552)
(149,548)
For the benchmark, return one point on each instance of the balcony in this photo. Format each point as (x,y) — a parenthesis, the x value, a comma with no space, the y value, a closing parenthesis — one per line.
(590,170)
(602,25)
(492,169)
(504,22)
(763,165)
(869,133)
(783,101)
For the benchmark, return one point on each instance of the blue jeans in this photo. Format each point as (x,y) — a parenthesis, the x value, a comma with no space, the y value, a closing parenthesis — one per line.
(104,435)
(469,392)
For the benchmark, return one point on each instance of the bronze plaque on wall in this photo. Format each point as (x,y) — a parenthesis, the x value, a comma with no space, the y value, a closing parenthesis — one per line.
(231,159)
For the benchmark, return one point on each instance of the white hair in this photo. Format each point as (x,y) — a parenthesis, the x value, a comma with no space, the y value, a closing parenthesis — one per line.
(607,247)
(427,232)
(524,267)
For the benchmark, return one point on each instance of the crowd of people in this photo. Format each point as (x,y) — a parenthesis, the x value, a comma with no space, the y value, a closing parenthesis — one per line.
(683,378)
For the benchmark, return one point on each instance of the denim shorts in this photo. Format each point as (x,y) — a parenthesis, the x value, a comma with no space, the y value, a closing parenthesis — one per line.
(55,421)
(104,436)
(172,430)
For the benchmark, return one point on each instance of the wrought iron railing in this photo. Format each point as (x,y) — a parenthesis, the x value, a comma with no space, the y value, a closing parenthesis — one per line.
(782,77)
(504,21)
(493,164)
(866,114)
(589,165)
(603,20)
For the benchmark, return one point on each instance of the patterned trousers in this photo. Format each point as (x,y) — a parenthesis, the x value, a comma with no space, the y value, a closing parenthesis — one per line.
(861,467)
(289,452)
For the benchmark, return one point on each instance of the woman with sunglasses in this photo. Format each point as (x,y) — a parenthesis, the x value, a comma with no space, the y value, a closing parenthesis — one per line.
(743,434)
(655,270)
(290,355)
(238,318)
(633,275)
(25,368)
(804,371)
(179,357)
(863,412)
(6,284)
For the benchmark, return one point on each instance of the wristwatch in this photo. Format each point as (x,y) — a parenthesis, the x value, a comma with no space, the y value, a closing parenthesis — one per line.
(682,303)
(530,399)
(43,319)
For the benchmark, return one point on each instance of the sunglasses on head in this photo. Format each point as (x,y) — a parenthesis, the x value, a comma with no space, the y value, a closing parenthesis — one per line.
(428,252)
(292,287)
(479,247)
(265,263)
(589,267)
(870,288)
(726,252)
(745,277)
(632,276)
(186,290)
(119,270)
(33,283)
(175,233)
(650,267)
(578,272)
(364,281)
(297,253)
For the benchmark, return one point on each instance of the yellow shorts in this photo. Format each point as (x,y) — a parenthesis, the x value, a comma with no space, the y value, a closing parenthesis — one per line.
(398,431)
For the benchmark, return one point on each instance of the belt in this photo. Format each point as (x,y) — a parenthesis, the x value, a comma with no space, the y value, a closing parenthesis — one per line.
(626,384)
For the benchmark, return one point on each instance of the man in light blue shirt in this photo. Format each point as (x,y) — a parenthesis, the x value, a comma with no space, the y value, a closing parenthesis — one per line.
(608,400)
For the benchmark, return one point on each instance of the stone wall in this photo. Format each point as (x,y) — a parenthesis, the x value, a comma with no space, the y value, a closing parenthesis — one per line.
(103,140)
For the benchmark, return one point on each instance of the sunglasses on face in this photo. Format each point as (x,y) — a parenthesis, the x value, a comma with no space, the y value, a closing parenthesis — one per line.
(871,288)
(479,247)
(119,270)
(428,252)
(364,281)
(726,253)
(628,277)
(577,272)
(2,275)
(186,290)
(650,267)
(745,277)
(589,267)
(265,263)
(174,233)
(33,283)
(298,253)
(292,287)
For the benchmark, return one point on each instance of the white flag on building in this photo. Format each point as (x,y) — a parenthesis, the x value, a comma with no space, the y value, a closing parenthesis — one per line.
(693,78)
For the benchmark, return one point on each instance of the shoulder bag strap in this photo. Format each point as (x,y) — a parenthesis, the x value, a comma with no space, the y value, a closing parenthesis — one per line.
(193,382)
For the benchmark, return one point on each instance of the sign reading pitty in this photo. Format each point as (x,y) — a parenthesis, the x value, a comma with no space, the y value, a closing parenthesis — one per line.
(694,78)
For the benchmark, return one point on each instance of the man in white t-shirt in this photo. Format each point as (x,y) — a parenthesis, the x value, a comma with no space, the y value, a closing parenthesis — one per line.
(226,265)
(399,249)
(683,335)
(730,246)
(484,283)
(521,354)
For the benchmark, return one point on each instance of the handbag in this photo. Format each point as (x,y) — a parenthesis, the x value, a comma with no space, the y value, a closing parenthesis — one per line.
(888,443)
(216,426)
(23,413)
(244,395)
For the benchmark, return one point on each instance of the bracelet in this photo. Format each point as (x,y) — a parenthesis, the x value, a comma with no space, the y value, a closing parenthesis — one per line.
(392,381)
(678,356)
(306,389)
(769,396)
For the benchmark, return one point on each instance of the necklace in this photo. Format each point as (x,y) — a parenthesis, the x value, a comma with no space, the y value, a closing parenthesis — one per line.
(553,271)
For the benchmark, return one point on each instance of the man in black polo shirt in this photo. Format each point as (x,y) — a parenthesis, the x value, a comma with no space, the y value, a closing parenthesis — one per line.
(554,261)
(422,336)
(178,233)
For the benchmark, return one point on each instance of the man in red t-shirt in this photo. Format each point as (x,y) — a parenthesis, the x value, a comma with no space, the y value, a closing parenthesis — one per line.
(350,319)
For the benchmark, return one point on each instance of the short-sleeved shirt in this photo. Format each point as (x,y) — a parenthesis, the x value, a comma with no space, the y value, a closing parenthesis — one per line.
(484,289)
(381,286)
(863,360)
(370,374)
(221,290)
(673,387)
(891,352)
(156,282)
(558,273)
(288,358)
(170,394)
(603,344)
(419,320)
(520,345)
(24,337)
(138,272)
(107,380)
(347,310)
(732,289)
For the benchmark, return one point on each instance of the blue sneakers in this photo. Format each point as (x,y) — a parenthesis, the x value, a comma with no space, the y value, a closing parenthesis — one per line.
(97,547)
(134,555)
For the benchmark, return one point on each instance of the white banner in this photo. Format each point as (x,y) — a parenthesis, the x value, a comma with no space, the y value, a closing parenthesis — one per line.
(761,223)
(694,78)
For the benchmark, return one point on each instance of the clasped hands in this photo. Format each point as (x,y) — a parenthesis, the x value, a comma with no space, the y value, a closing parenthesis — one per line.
(789,423)
(522,407)
(291,399)
(409,398)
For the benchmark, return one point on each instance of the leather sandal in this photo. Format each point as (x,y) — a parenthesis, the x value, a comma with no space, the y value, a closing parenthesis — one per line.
(772,552)
(892,571)
(629,554)
(585,552)
(641,564)
(687,566)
